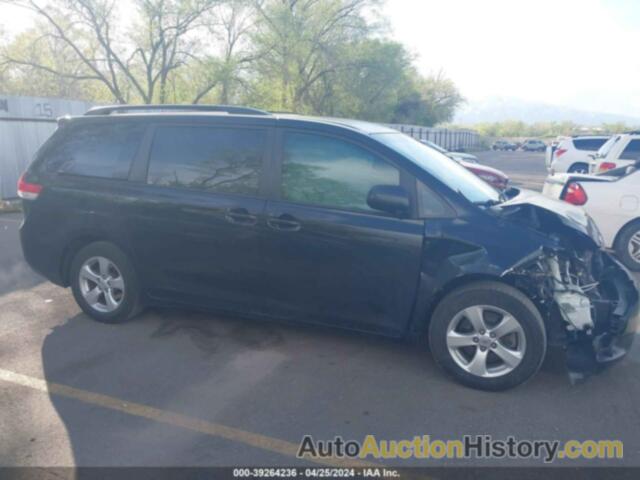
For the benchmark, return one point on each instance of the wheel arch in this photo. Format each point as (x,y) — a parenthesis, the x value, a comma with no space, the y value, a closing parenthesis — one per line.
(575,164)
(79,241)
(618,236)
(422,318)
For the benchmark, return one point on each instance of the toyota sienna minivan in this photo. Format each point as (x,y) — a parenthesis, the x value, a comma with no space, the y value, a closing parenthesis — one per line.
(321,221)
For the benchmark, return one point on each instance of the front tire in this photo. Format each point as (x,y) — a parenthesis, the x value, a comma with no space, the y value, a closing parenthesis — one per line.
(488,336)
(628,246)
(104,283)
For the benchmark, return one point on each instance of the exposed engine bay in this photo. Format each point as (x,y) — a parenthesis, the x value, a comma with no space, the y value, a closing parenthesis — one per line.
(585,296)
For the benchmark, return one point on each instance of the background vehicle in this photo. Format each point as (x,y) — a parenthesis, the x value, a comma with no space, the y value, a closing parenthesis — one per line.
(533,145)
(619,151)
(459,156)
(466,157)
(612,200)
(573,154)
(504,145)
(492,176)
(324,221)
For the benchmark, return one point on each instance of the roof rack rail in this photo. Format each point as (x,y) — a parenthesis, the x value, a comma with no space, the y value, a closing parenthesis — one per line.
(231,109)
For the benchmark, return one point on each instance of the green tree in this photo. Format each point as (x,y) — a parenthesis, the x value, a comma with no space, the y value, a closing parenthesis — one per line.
(325,57)
(300,44)
(432,100)
(133,64)
(369,85)
(516,128)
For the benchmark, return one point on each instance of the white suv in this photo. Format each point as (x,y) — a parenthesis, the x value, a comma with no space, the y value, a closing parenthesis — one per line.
(619,151)
(573,154)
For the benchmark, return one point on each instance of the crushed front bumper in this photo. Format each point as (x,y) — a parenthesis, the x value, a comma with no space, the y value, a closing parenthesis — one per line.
(616,324)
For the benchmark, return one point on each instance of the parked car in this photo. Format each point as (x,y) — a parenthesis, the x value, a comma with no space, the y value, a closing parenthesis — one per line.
(459,156)
(504,145)
(464,157)
(324,221)
(573,154)
(533,145)
(612,200)
(619,151)
(492,176)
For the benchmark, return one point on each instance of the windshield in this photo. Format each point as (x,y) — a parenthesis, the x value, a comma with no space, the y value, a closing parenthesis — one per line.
(604,150)
(441,167)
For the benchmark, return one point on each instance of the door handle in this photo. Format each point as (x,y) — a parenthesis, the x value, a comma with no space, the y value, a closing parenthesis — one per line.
(240,216)
(284,222)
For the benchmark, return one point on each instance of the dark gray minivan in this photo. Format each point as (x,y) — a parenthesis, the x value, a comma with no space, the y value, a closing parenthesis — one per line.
(324,221)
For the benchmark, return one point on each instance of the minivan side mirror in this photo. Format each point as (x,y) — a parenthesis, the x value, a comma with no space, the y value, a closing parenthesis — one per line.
(391,199)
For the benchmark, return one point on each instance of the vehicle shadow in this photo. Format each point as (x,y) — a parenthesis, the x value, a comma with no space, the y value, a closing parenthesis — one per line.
(285,382)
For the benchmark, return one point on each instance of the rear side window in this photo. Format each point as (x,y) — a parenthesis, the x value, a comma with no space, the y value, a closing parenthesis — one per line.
(631,151)
(590,144)
(96,150)
(327,171)
(224,160)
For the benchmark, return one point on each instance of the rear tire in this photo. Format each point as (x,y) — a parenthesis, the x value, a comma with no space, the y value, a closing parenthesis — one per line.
(628,246)
(104,283)
(488,336)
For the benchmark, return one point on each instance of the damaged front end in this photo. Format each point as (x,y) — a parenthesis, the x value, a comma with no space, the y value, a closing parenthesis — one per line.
(587,299)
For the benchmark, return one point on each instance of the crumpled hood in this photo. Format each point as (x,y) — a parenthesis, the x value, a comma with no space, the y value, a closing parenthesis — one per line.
(571,215)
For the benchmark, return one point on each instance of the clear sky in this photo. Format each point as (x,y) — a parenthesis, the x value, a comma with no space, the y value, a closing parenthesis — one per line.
(576,53)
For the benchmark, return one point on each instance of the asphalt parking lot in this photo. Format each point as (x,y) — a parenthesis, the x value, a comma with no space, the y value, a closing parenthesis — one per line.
(179,388)
(525,169)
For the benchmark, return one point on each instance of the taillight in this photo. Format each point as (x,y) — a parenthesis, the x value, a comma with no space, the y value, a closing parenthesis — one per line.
(28,191)
(559,152)
(575,194)
(604,166)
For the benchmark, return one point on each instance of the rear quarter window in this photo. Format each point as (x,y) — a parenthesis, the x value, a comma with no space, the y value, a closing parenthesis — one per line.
(96,150)
(631,151)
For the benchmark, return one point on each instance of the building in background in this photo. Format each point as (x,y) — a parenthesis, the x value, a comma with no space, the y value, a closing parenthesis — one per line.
(25,124)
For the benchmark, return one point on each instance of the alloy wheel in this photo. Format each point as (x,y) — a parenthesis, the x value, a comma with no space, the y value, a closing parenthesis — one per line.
(101,284)
(486,341)
(633,247)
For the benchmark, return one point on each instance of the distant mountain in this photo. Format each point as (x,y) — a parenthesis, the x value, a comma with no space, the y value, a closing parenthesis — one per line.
(498,109)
